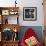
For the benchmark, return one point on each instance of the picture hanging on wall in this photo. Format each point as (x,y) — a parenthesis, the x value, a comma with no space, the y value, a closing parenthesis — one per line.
(29,13)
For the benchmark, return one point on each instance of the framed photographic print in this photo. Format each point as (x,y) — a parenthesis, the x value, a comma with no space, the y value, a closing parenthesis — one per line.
(29,13)
(5,12)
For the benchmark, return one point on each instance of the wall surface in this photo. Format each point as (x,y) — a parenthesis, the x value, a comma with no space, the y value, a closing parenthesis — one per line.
(26,3)
(30,3)
(44,12)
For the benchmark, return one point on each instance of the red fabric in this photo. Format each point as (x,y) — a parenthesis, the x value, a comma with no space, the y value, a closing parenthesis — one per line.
(28,33)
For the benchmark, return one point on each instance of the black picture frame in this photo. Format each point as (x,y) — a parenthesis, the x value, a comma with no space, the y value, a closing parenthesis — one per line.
(29,13)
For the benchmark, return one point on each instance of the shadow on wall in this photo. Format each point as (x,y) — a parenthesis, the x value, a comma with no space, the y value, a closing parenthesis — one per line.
(37,29)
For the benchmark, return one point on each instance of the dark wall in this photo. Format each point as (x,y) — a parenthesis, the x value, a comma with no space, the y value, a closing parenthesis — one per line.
(37,29)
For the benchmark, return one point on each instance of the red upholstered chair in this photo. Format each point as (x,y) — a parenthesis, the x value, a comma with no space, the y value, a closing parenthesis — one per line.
(29,33)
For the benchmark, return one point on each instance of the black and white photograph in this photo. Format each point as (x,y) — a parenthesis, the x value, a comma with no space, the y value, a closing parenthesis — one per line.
(29,13)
